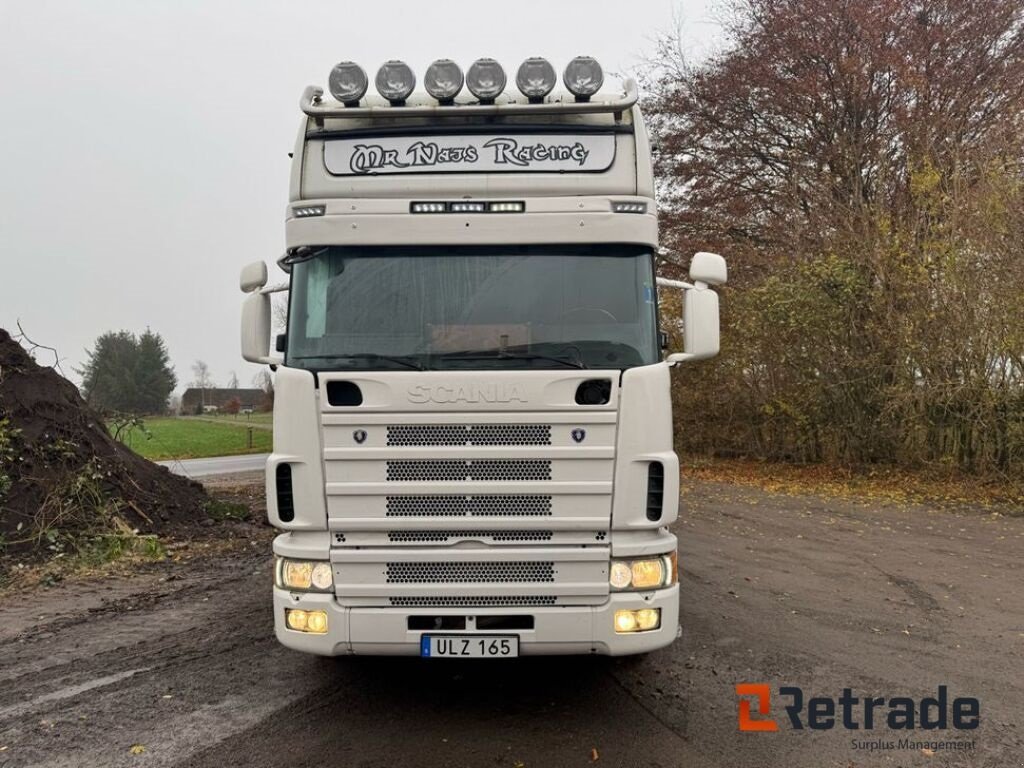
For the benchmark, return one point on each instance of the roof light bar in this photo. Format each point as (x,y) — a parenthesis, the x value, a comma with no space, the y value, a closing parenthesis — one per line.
(395,81)
(486,80)
(443,81)
(305,211)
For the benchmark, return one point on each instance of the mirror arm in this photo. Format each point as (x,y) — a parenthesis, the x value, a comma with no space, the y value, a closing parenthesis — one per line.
(673,283)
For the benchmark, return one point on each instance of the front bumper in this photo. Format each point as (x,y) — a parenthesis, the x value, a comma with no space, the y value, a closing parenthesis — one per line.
(557,630)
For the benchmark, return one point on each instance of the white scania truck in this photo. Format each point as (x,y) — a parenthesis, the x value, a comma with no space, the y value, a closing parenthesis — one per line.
(472,424)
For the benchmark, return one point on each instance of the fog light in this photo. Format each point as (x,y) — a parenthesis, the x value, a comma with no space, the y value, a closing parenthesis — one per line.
(296,619)
(647,618)
(316,622)
(625,621)
(642,620)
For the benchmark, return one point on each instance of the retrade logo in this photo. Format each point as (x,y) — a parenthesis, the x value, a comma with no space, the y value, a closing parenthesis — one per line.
(762,694)
(854,713)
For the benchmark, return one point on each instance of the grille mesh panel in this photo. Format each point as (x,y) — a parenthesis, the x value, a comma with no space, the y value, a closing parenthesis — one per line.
(481,469)
(469,434)
(517,572)
(485,601)
(443,536)
(487,505)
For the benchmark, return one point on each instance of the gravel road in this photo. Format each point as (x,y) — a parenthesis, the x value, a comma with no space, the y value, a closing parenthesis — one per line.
(178,661)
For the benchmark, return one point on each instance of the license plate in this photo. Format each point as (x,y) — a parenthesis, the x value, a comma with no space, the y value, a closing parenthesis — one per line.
(469,647)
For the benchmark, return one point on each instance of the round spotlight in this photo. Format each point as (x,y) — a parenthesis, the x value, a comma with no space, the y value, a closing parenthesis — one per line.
(347,83)
(486,80)
(395,81)
(535,79)
(443,80)
(583,77)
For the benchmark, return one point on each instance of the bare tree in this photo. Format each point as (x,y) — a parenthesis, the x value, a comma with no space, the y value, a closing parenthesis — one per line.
(233,381)
(203,380)
(860,164)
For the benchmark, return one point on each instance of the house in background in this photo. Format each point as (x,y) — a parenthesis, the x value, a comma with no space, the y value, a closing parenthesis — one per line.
(214,399)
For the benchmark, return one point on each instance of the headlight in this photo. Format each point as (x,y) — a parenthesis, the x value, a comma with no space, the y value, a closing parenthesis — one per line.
(644,573)
(304,575)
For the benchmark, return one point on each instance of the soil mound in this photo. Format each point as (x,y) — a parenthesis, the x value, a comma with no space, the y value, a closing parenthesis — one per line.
(63,478)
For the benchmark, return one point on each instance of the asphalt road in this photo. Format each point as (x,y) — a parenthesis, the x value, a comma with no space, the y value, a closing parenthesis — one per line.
(180,663)
(220,465)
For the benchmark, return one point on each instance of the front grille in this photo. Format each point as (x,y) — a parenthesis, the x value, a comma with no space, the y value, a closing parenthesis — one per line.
(486,505)
(459,470)
(469,434)
(518,572)
(485,601)
(444,536)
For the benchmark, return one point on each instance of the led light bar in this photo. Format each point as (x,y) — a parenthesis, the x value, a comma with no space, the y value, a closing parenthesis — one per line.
(306,211)
(468,206)
(629,207)
(507,206)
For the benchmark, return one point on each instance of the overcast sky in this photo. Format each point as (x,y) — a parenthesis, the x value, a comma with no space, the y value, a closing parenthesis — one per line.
(145,143)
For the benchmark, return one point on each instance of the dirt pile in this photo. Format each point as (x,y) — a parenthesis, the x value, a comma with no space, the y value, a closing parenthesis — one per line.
(65,483)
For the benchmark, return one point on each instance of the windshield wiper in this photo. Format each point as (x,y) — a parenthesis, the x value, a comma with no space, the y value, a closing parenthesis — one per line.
(374,356)
(497,354)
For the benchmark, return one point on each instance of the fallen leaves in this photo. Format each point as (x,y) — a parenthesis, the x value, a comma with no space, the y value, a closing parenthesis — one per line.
(942,487)
(137,749)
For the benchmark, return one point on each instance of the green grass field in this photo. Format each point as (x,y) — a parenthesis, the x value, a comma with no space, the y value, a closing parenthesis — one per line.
(196,438)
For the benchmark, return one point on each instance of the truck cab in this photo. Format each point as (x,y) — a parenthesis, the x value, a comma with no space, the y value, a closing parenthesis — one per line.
(473,450)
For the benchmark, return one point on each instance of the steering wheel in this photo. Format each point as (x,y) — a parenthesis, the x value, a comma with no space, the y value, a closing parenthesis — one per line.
(603,313)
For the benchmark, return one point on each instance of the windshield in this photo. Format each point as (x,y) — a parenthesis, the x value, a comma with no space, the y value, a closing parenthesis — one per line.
(459,307)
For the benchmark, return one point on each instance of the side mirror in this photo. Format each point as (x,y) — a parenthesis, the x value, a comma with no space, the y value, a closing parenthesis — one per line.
(708,268)
(253,277)
(255,328)
(700,308)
